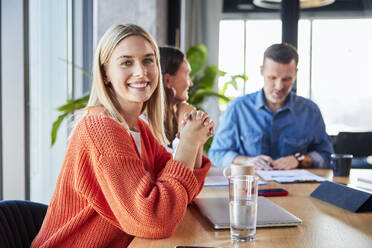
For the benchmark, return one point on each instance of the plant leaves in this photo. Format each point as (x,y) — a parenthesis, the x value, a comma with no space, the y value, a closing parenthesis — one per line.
(197,57)
(209,77)
(225,85)
(207,145)
(201,93)
(68,108)
(196,98)
(74,104)
(55,127)
(225,100)
(234,83)
(242,76)
(222,73)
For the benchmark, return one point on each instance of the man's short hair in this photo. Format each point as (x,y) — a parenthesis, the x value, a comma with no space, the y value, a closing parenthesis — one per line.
(282,53)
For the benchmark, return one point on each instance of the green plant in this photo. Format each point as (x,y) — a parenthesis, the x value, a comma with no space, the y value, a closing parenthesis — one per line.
(232,82)
(68,108)
(203,77)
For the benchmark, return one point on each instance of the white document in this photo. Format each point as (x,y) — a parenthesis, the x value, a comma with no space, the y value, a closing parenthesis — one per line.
(364,183)
(289,176)
(218,181)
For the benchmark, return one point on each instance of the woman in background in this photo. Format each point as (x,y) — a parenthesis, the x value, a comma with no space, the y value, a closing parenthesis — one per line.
(175,70)
(117,181)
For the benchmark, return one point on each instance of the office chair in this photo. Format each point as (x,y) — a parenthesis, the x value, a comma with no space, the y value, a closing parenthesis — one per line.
(357,143)
(20,221)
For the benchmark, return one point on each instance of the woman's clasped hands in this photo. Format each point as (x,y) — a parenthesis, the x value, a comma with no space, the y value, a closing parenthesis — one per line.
(196,128)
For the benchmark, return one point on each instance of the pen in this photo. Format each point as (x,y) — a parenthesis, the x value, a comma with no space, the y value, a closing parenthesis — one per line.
(365,180)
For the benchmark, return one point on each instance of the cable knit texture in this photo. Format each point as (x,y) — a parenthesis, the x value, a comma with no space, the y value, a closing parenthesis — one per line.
(106,194)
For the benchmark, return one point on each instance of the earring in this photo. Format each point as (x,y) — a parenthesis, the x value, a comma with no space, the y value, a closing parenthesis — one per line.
(174,92)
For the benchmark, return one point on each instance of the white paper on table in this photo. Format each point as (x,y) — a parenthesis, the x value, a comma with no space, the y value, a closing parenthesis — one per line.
(218,181)
(364,184)
(289,176)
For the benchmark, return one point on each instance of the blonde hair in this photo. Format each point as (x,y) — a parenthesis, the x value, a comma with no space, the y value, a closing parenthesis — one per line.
(105,96)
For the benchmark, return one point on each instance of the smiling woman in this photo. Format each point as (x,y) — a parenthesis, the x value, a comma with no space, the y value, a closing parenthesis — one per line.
(117,70)
(132,74)
(117,180)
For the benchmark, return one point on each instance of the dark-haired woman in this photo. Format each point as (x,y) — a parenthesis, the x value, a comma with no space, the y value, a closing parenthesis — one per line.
(176,81)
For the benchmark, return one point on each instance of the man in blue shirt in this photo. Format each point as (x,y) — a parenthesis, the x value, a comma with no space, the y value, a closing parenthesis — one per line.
(273,128)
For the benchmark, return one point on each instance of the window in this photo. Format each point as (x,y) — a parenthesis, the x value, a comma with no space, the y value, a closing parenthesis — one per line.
(341,66)
(241,46)
(332,69)
(47,90)
(231,52)
(60,36)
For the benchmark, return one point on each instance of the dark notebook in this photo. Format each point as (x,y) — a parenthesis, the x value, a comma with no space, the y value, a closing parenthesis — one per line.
(345,197)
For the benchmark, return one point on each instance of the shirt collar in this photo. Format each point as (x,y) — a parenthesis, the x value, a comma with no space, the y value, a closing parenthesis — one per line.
(290,104)
(260,102)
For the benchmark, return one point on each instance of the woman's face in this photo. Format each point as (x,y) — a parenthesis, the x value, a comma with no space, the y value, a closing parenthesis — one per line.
(180,81)
(132,71)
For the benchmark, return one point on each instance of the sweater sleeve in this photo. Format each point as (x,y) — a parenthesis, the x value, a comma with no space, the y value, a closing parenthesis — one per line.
(199,174)
(128,195)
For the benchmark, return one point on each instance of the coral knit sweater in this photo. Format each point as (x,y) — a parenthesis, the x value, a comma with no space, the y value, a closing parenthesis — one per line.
(106,194)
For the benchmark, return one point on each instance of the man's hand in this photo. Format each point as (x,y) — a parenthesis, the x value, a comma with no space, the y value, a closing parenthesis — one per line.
(285,163)
(261,162)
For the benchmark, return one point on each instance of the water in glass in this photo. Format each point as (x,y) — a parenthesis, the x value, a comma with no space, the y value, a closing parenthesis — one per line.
(243,217)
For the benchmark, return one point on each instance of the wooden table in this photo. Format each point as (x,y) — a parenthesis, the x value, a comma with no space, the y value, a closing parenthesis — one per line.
(324,225)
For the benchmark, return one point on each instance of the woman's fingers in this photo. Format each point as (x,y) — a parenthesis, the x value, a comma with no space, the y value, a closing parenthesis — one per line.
(199,115)
(192,115)
(202,118)
(187,116)
(211,132)
(208,121)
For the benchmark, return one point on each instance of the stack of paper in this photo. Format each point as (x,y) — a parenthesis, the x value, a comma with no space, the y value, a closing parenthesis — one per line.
(289,176)
(364,184)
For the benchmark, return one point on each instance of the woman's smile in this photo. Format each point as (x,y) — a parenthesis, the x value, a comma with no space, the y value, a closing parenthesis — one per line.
(139,85)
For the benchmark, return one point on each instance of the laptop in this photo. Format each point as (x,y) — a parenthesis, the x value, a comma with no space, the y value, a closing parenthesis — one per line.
(216,210)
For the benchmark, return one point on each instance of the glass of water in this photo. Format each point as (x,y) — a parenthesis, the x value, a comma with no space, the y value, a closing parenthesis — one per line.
(243,191)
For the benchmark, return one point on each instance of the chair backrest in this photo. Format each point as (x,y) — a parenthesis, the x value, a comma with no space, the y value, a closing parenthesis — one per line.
(20,221)
(357,143)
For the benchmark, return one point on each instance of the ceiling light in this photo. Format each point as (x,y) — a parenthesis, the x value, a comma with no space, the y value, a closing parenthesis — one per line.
(304,4)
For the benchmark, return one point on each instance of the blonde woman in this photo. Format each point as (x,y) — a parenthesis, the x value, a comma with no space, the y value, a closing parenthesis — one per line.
(117,180)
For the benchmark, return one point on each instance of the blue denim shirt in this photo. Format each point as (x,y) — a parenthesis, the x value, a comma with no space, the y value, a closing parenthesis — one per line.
(248,127)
